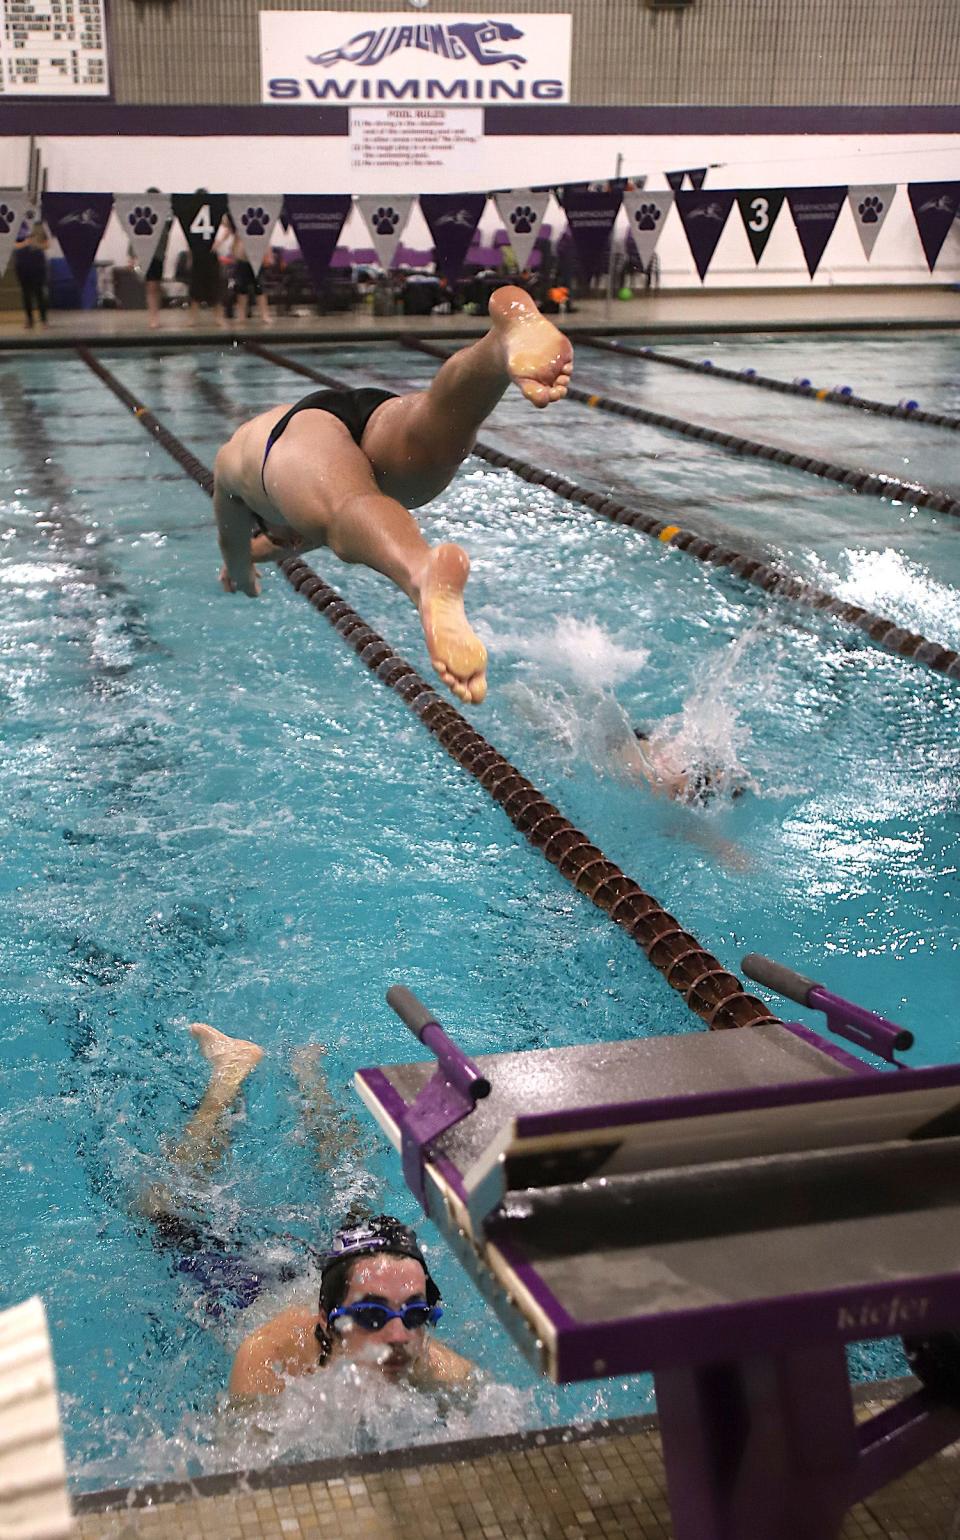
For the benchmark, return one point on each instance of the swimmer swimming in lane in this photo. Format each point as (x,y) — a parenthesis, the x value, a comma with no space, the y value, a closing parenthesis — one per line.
(342,469)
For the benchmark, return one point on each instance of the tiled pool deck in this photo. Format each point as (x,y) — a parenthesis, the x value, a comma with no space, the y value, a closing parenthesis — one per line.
(550,1486)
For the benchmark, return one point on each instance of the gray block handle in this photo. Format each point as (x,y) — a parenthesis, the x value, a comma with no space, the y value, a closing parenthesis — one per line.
(763,970)
(412,1012)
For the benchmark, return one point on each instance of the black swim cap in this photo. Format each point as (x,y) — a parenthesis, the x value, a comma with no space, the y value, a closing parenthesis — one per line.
(368,1237)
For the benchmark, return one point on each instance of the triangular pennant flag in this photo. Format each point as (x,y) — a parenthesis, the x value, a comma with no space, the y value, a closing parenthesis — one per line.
(254,216)
(386,219)
(591,217)
(675,179)
(647,214)
(697,178)
(144,219)
(200,215)
(317,219)
(522,212)
(452,219)
(704,216)
(934,207)
(759,209)
(14,206)
(815,212)
(77,221)
(870,206)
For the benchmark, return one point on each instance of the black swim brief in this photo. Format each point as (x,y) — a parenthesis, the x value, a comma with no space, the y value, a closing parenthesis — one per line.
(354,408)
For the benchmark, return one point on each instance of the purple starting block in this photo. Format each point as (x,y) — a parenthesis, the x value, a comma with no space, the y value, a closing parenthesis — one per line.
(727,1210)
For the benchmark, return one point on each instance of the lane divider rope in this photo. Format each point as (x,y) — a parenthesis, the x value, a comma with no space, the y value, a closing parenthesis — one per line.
(710,991)
(880,629)
(767,382)
(873,483)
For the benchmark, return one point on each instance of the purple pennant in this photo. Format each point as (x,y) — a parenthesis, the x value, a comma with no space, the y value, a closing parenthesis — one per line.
(815,211)
(452,219)
(697,178)
(934,207)
(77,221)
(704,216)
(591,217)
(317,219)
(675,179)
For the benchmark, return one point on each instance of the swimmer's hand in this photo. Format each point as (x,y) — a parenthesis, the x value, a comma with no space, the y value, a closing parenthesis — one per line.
(248,583)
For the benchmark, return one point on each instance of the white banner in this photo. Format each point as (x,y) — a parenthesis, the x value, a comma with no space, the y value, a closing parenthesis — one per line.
(143,218)
(58,54)
(870,207)
(647,214)
(255,215)
(420,139)
(387,57)
(386,219)
(15,207)
(522,213)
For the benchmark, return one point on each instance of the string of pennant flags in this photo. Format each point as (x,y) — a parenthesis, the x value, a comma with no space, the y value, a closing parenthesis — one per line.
(78,220)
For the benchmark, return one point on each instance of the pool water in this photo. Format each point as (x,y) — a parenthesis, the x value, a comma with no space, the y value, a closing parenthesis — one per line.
(214,812)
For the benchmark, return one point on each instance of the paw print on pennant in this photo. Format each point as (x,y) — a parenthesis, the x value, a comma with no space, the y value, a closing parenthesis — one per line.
(6,219)
(870,210)
(142,220)
(523,219)
(646,216)
(385,220)
(254,220)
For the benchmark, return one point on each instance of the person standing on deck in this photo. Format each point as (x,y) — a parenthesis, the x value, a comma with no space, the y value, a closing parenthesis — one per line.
(342,468)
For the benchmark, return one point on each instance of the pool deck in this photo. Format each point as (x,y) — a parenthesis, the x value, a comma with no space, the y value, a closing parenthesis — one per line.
(672,311)
(561,1484)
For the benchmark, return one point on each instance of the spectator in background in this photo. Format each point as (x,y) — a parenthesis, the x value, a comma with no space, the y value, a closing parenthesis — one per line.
(30,260)
(245,281)
(153,277)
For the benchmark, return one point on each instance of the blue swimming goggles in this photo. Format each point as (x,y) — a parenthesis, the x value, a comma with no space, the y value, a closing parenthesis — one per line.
(370,1316)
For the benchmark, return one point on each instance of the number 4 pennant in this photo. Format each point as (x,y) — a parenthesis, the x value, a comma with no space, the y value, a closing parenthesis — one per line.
(758,210)
(200,215)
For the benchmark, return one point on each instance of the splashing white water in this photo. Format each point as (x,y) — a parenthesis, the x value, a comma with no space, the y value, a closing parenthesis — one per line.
(580,649)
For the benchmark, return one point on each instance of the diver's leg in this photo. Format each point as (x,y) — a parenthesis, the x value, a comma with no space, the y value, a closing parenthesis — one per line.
(332,1132)
(324,487)
(416,442)
(204,1140)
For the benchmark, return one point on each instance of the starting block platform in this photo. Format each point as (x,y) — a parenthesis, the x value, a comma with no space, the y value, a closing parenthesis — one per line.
(727,1210)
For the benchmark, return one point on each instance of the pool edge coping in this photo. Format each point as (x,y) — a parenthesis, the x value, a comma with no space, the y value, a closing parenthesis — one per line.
(342,1467)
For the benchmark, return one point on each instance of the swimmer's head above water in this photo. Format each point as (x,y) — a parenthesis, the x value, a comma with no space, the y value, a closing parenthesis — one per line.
(377,1297)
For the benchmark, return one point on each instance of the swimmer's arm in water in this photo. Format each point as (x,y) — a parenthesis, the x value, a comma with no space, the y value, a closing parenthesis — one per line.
(284,1346)
(233,534)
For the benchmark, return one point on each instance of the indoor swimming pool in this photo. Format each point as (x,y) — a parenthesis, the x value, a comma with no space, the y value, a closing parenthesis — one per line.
(215,813)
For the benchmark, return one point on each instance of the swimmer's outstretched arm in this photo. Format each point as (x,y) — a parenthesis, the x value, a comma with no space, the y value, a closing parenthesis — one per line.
(234,523)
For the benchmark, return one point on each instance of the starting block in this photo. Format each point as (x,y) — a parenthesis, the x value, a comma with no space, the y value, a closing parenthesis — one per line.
(726,1210)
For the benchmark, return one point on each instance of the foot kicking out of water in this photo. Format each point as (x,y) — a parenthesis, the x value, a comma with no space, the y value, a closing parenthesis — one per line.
(342,469)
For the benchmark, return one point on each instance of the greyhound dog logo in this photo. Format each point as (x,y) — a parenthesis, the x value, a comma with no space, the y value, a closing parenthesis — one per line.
(461,218)
(706,211)
(86,217)
(942,205)
(478,39)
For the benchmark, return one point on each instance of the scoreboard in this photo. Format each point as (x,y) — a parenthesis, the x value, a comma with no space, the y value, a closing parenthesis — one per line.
(53,48)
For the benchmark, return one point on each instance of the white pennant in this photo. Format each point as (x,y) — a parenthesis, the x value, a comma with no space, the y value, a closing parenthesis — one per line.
(255,216)
(143,219)
(15,207)
(522,212)
(870,206)
(386,219)
(647,214)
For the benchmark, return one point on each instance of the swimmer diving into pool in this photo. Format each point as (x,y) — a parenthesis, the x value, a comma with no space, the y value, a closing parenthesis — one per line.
(377,1299)
(342,469)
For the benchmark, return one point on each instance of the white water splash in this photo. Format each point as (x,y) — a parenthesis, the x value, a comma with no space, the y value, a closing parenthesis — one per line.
(580,649)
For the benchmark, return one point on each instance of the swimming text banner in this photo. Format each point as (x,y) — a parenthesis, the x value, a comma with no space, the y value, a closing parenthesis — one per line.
(815,212)
(385,57)
(317,220)
(591,217)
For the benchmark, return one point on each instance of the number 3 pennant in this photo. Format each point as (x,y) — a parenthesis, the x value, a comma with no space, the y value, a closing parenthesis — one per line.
(758,210)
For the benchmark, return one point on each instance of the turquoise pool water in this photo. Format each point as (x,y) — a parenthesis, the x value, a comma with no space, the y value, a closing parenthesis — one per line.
(214,812)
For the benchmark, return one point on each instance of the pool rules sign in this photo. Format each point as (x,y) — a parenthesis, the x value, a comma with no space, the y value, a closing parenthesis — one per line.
(52,48)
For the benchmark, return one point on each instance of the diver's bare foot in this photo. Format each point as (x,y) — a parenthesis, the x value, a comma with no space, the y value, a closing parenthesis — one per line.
(458,656)
(230,1058)
(539,359)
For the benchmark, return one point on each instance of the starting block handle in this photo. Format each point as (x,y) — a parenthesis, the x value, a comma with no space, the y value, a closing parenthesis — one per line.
(458,1068)
(865,1028)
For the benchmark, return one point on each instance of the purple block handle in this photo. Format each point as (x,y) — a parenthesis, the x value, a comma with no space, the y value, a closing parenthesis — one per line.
(461,1072)
(865,1028)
